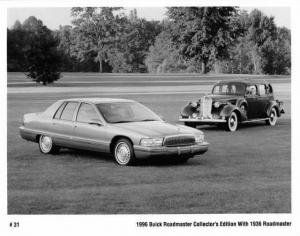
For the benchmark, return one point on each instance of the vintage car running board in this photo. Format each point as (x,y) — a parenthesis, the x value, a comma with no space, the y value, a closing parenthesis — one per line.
(193,120)
(202,120)
(255,120)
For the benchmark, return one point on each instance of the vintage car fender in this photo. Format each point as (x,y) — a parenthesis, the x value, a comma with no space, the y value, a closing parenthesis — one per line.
(229,108)
(241,101)
(276,106)
(189,109)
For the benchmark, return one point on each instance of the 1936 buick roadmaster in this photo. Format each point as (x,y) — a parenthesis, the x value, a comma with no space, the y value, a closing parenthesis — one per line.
(125,128)
(232,102)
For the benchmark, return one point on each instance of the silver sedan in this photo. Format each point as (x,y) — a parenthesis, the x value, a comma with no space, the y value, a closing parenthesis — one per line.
(125,128)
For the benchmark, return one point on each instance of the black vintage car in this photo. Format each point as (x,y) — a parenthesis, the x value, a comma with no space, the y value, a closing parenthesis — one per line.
(232,102)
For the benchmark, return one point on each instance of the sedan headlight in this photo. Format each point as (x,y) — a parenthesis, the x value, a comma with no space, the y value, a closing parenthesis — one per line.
(151,142)
(199,138)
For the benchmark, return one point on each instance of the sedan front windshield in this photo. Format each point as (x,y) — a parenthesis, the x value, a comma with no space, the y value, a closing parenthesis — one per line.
(229,88)
(124,112)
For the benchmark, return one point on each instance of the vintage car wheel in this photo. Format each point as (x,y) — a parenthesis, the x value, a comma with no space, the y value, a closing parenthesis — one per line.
(272,117)
(46,145)
(232,122)
(123,152)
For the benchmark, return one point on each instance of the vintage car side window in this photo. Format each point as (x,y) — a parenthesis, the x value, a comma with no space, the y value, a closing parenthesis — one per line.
(86,113)
(59,111)
(251,90)
(232,89)
(217,89)
(225,88)
(262,90)
(68,112)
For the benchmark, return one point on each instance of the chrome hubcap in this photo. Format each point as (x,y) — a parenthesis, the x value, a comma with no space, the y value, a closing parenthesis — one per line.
(273,117)
(46,143)
(122,153)
(232,122)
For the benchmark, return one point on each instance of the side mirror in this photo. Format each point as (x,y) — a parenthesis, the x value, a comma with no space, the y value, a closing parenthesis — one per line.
(95,122)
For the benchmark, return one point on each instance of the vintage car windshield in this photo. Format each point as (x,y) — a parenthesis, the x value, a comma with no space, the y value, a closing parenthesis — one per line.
(229,89)
(124,112)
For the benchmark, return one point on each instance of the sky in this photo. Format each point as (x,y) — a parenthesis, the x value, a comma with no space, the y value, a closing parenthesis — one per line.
(53,17)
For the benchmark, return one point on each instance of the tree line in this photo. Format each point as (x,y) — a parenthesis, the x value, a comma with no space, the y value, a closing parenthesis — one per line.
(189,39)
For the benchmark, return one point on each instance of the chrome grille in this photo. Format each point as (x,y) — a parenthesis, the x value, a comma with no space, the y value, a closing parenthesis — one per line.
(179,140)
(205,107)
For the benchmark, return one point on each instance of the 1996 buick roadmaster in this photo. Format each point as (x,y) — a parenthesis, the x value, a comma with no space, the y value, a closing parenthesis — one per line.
(125,128)
(232,102)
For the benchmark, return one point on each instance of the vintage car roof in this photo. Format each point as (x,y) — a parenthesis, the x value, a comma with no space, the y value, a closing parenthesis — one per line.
(245,81)
(98,100)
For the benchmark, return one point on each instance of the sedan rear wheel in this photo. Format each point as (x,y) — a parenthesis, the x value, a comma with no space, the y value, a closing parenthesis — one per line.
(46,145)
(272,117)
(232,122)
(123,152)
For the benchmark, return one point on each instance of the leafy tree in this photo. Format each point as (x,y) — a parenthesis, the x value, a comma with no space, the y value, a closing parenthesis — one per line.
(42,59)
(97,29)
(276,53)
(129,53)
(34,48)
(203,34)
(15,44)
(163,56)
(263,49)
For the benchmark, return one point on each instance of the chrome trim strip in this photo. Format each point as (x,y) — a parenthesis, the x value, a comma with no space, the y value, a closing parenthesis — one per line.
(202,120)
(90,141)
(254,120)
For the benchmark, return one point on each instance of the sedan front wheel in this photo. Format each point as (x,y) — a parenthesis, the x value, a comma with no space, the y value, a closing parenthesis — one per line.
(123,152)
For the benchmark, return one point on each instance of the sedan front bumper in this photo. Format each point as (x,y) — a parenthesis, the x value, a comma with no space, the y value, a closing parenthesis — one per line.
(146,152)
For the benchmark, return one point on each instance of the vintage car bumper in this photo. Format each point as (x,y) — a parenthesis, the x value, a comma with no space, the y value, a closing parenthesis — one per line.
(146,152)
(204,120)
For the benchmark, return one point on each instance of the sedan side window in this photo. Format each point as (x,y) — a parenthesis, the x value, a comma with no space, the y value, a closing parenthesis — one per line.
(59,111)
(68,112)
(86,113)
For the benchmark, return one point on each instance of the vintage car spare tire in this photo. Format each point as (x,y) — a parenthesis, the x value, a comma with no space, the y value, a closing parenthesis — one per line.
(46,145)
(123,152)
(232,122)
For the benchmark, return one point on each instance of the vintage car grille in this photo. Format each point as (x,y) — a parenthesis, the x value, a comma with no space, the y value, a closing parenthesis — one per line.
(205,107)
(179,140)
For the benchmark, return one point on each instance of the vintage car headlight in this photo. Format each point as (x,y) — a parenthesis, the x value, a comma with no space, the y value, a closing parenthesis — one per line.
(151,142)
(217,104)
(199,138)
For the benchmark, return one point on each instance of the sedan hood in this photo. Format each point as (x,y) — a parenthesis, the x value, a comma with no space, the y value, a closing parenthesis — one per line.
(156,128)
